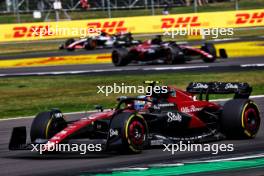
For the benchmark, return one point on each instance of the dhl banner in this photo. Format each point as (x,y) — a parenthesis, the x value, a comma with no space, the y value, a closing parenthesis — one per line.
(143,24)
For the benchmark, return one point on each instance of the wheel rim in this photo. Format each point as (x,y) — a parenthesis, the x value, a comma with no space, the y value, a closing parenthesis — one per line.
(53,127)
(136,133)
(251,120)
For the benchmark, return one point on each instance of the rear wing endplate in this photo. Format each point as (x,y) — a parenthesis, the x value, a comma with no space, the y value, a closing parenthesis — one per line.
(241,90)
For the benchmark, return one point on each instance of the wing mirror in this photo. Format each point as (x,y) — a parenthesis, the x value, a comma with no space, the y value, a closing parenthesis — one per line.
(99,108)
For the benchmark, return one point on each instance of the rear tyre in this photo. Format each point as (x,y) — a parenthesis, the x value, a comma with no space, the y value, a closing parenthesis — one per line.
(46,124)
(120,57)
(240,119)
(69,42)
(223,54)
(210,49)
(90,44)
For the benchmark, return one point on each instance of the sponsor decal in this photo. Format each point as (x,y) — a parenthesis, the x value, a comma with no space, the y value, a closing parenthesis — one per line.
(113,132)
(158,106)
(166,105)
(146,24)
(31,31)
(174,117)
(189,109)
(189,21)
(109,27)
(200,86)
(248,18)
(231,86)
(156,142)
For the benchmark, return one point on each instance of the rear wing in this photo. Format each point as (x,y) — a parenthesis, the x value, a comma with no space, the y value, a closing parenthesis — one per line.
(241,90)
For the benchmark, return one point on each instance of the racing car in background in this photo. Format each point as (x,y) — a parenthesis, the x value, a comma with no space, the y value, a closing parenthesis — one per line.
(103,40)
(167,51)
(141,122)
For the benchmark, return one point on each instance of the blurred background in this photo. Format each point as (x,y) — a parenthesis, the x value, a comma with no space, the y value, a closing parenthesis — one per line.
(18,11)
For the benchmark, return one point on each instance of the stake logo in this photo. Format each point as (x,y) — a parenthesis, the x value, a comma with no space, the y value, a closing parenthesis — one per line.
(189,21)
(174,117)
(109,27)
(231,86)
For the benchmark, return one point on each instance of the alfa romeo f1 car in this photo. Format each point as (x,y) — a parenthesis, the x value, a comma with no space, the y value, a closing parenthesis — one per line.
(103,40)
(147,121)
(168,52)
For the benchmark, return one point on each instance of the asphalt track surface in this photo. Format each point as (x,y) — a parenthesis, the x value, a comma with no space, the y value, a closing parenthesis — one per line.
(94,69)
(108,50)
(238,64)
(31,163)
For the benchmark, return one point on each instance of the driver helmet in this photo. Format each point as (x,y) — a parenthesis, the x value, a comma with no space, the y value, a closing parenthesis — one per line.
(139,104)
(157,40)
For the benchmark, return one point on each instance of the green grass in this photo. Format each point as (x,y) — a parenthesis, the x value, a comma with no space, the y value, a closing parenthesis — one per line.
(23,96)
(12,49)
(245,4)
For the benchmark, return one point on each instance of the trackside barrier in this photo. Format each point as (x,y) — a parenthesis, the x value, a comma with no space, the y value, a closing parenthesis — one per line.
(142,24)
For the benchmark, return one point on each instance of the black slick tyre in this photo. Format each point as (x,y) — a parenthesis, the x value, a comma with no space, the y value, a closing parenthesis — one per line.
(240,119)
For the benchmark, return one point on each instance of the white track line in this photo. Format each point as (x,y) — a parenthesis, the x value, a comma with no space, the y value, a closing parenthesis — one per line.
(130,169)
(225,99)
(261,155)
(253,65)
(100,71)
(175,68)
(30,117)
(167,165)
(120,70)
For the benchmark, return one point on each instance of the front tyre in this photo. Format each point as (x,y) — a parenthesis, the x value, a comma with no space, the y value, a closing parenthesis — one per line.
(210,49)
(240,119)
(46,124)
(68,43)
(131,133)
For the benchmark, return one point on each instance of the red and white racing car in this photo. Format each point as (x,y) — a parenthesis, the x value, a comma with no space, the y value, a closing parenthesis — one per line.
(168,52)
(140,122)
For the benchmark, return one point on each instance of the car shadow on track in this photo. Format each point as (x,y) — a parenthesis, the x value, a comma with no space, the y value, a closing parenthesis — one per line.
(61,156)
